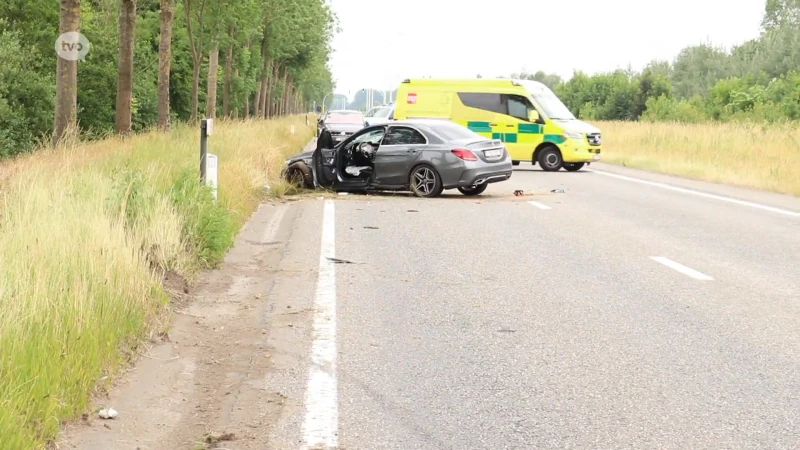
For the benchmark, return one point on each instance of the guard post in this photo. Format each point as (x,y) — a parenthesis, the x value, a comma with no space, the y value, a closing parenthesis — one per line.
(206,129)
(208,177)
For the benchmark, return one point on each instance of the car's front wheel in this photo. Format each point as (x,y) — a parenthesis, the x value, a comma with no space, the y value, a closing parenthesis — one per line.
(473,190)
(296,177)
(573,167)
(425,181)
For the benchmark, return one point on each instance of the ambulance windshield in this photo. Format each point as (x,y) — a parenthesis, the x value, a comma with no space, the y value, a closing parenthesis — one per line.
(551,105)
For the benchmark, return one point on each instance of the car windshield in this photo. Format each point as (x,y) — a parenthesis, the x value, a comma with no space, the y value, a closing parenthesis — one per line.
(345,118)
(552,105)
(453,131)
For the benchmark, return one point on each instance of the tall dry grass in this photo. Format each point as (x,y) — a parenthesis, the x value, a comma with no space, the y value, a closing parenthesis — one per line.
(87,233)
(750,155)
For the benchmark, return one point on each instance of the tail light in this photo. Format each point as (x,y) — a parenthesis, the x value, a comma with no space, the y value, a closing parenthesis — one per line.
(466,155)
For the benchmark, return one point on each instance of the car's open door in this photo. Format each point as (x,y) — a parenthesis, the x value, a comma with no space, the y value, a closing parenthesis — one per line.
(323,162)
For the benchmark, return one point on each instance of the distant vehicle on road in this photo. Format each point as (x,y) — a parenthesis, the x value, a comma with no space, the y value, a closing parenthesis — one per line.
(423,156)
(379,115)
(526,115)
(341,123)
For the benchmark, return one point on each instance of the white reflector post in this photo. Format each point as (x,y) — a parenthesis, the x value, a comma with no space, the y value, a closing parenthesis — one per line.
(212,169)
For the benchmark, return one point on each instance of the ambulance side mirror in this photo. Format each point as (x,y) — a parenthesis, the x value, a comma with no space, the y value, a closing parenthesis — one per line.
(533,116)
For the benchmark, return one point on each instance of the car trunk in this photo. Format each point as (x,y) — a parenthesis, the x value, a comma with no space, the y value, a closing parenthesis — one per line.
(491,151)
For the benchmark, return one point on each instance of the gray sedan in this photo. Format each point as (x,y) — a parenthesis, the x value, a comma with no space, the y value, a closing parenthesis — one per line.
(424,156)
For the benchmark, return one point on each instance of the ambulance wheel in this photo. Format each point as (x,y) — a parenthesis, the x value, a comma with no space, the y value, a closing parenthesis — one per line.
(573,167)
(514,163)
(550,159)
(473,191)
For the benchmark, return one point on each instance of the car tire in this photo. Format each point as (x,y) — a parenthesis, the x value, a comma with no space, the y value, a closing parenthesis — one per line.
(550,159)
(296,176)
(472,191)
(573,167)
(432,181)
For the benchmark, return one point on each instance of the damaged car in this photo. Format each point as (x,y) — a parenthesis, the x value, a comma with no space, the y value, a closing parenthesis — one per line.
(424,156)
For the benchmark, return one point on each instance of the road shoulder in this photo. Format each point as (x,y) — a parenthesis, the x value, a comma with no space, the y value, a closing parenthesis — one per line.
(231,366)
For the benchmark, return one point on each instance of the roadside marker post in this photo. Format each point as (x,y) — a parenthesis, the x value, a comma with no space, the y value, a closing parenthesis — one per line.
(212,173)
(209,167)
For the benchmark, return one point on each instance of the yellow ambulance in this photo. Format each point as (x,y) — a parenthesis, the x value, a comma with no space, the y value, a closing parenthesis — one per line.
(526,115)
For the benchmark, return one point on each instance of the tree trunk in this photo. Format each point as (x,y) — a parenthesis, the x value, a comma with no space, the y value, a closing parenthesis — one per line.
(265,79)
(196,47)
(247,106)
(127,37)
(288,100)
(226,89)
(66,111)
(283,94)
(260,99)
(195,89)
(213,69)
(164,62)
(273,81)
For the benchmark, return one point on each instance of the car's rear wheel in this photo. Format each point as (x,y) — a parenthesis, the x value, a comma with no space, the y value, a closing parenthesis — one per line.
(473,190)
(425,181)
(573,167)
(550,159)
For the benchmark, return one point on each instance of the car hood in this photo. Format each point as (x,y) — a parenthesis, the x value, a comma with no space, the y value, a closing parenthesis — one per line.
(346,127)
(577,126)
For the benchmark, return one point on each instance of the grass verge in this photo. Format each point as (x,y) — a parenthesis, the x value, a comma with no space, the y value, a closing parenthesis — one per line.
(87,235)
(749,155)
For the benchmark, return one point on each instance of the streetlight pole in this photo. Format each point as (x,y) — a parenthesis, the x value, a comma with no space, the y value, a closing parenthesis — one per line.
(324,98)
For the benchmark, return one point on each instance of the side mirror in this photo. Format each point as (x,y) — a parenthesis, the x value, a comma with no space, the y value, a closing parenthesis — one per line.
(533,115)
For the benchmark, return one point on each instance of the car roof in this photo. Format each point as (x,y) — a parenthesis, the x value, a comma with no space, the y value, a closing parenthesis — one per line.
(345,111)
(429,125)
(424,122)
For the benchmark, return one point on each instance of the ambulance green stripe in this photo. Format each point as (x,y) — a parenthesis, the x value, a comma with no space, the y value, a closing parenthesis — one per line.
(554,138)
(531,128)
(480,127)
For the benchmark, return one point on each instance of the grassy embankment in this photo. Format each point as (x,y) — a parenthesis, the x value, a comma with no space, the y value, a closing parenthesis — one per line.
(86,236)
(756,156)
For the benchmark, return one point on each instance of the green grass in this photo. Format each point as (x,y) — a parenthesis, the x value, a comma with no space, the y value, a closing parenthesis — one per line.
(86,236)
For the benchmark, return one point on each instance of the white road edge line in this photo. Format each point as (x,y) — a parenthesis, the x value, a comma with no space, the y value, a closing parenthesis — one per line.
(539,205)
(688,271)
(702,194)
(321,424)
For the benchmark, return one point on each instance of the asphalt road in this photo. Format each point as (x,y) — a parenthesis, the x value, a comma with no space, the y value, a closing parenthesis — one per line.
(611,313)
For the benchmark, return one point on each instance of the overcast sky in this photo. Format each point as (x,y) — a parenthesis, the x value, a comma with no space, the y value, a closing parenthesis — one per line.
(384,41)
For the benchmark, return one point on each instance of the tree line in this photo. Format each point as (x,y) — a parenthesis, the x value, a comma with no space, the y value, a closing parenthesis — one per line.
(758,80)
(153,62)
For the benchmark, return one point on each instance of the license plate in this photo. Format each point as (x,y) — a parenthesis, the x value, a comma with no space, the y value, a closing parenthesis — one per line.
(492,153)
